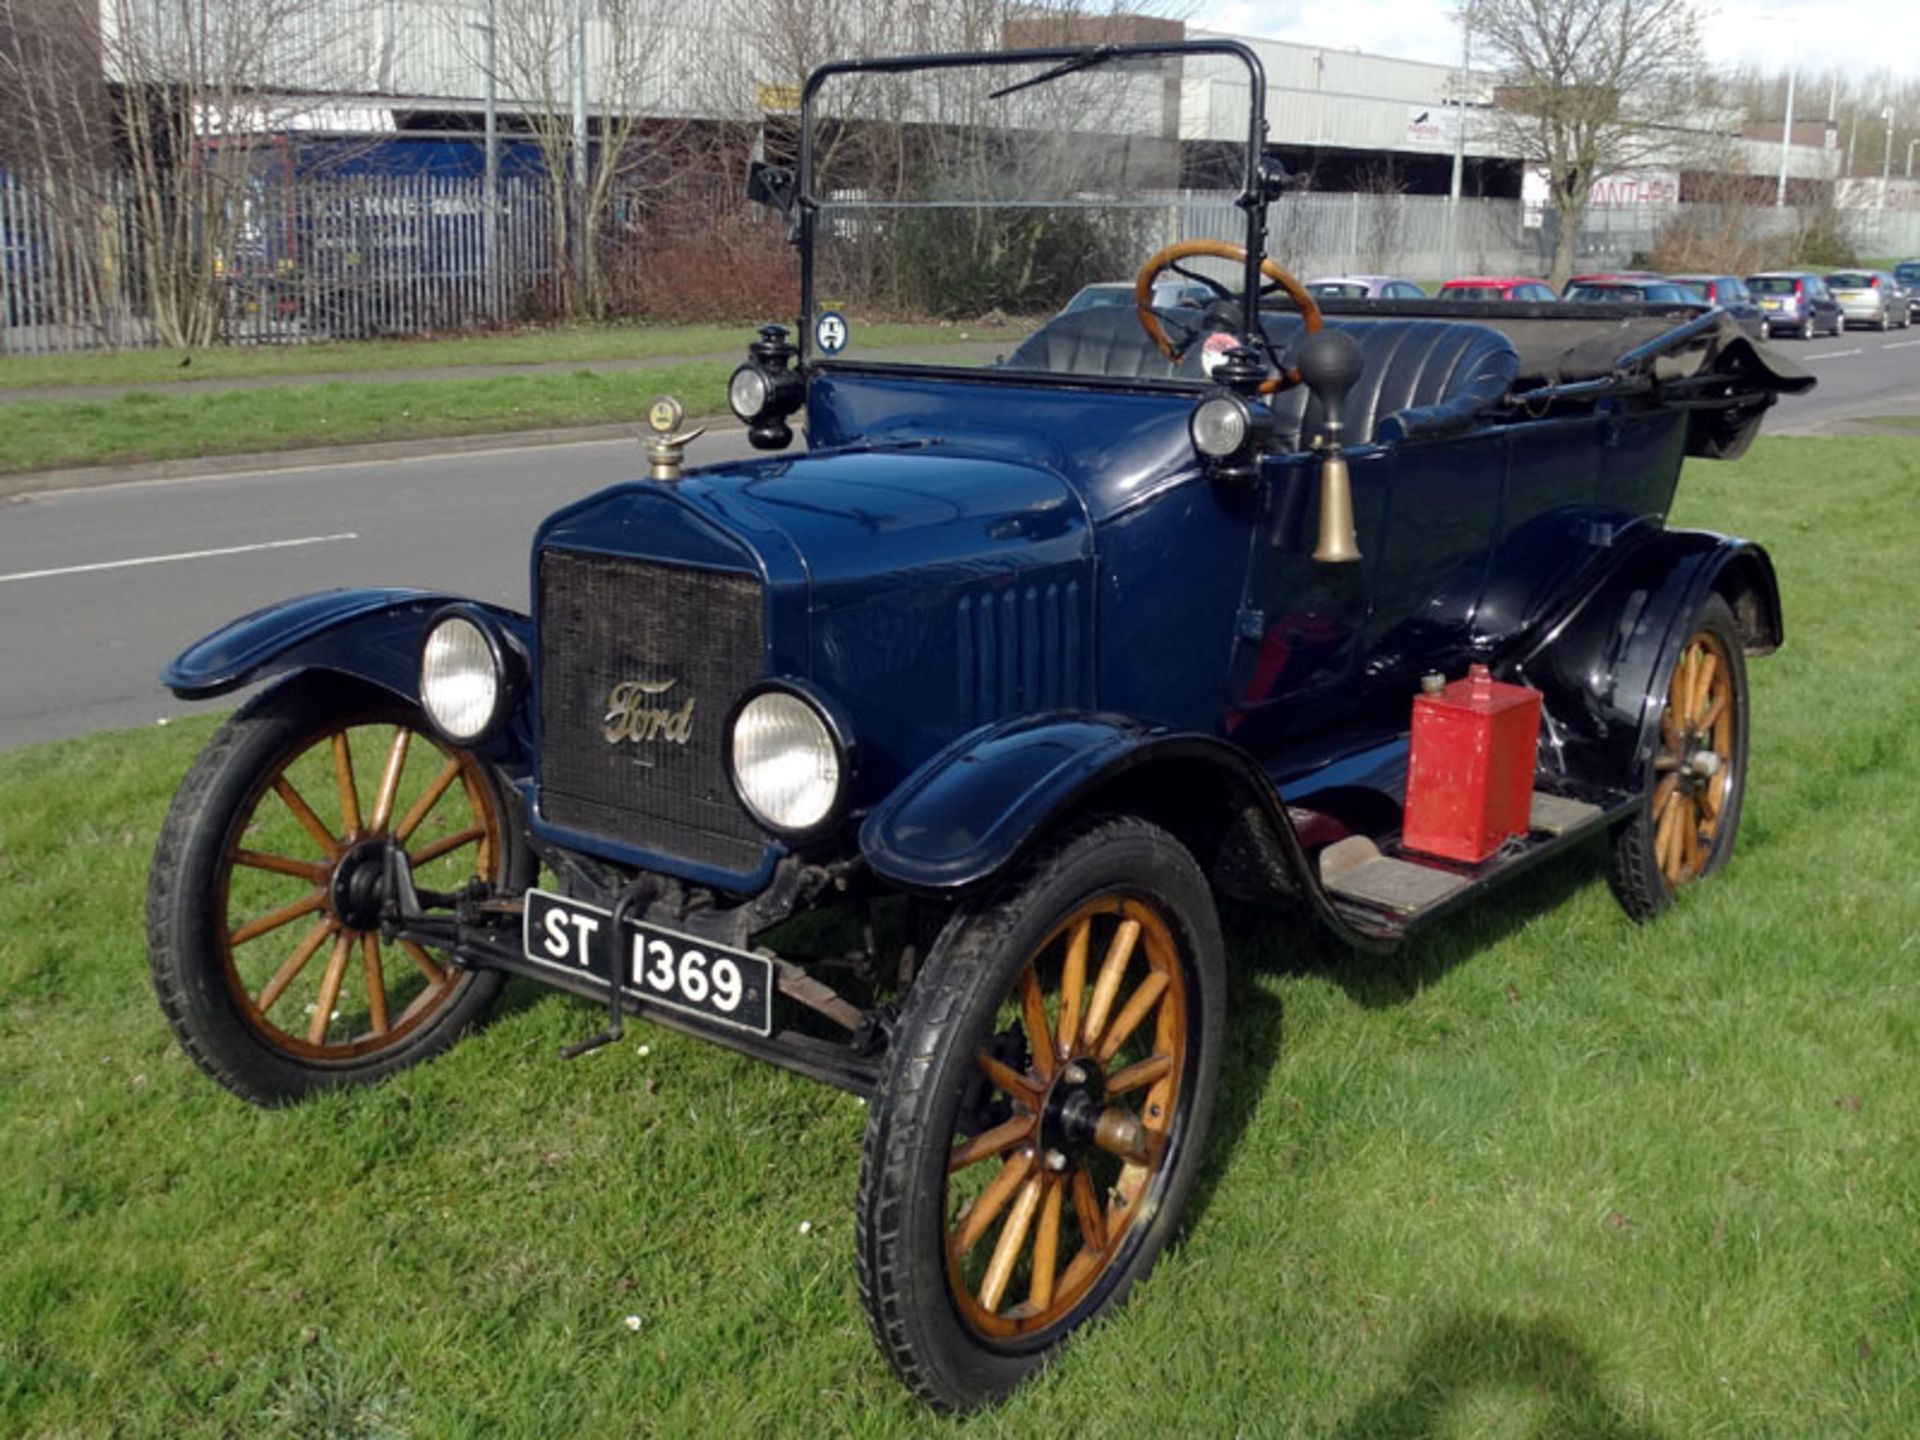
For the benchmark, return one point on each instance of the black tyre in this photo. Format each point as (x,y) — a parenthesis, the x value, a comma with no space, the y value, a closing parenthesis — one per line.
(262,904)
(1685,828)
(1074,1156)
(1806,328)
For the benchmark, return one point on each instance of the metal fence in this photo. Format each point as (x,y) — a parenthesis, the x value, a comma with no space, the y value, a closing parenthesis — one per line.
(314,259)
(348,258)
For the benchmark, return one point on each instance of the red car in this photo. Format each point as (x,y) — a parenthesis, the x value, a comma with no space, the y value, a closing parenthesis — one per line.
(1497,287)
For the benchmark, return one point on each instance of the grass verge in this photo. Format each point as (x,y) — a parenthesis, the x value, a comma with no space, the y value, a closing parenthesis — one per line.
(1543,1173)
(559,344)
(158,425)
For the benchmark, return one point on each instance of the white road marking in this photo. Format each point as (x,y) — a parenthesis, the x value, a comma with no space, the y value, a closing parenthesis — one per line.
(184,555)
(1832,354)
(1900,344)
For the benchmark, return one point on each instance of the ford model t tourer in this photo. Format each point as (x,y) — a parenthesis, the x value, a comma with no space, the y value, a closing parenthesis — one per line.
(1004,675)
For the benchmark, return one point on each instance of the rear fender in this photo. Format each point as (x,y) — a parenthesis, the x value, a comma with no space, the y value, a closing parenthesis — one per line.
(1605,667)
(371,634)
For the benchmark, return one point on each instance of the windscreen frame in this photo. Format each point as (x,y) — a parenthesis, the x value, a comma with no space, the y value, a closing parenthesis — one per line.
(1252,199)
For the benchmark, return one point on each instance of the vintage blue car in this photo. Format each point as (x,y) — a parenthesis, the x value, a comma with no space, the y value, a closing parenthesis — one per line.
(914,758)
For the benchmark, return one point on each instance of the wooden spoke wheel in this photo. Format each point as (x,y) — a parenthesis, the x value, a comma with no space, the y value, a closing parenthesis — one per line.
(1086,1072)
(1685,829)
(270,880)
(1044,1111)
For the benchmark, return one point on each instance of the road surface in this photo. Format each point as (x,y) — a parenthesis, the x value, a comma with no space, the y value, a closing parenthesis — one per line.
(100,587)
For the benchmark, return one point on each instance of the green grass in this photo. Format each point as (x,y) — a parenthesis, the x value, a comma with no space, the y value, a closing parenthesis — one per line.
(158,425)
(559,344)
(1543,1174)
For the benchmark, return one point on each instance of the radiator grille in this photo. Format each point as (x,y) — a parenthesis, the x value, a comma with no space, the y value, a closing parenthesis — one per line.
(630,644)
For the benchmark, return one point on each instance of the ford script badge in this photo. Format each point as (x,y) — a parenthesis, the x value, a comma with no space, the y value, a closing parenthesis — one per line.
(636,712)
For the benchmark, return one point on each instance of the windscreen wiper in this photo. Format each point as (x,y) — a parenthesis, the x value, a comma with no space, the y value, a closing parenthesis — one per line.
(1099,55)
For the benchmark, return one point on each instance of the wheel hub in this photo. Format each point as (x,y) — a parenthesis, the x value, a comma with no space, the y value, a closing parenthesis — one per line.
(1070,1114)
(358,890)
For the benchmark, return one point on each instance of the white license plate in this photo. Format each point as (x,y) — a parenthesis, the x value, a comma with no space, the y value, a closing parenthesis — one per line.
(661,967)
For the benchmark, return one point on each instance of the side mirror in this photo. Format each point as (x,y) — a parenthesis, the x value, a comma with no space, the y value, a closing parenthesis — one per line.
(772,185)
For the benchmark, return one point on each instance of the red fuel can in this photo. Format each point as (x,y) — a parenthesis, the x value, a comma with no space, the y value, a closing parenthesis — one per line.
(1470,772)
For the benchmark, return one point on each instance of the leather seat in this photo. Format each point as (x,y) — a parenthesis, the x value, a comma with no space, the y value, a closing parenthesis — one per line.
(1100,340)
(1417,378)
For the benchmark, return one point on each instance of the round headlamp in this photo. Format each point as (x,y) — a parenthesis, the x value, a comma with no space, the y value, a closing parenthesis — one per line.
(464,680)
(787,761)
(748,392)
(1220,425)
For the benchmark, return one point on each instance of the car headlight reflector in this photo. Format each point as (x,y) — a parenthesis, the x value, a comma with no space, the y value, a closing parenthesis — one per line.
(1220,425)
(786,762)
(460,678)
(748,392)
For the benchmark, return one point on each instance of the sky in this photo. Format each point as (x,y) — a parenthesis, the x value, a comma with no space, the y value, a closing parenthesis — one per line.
(1735,31)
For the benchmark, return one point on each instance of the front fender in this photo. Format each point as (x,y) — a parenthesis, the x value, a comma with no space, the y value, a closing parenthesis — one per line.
(373,634)
(974,805)
(1604,669)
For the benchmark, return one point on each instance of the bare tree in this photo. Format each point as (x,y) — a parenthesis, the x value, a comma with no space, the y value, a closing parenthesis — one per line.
(52,97)
(1380,181)
(1590,88)
(634,68)
(141,123)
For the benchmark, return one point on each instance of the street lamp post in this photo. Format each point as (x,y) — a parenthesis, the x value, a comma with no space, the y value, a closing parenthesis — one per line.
(581,242)
(1786,138)
(1459,144)
(490,229)
(1886,159)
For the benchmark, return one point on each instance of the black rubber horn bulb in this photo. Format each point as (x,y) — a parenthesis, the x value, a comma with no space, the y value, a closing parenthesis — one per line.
(1329,364)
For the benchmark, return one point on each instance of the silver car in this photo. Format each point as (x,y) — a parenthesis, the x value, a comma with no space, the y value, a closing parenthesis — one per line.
(1364,287)
(1870,297)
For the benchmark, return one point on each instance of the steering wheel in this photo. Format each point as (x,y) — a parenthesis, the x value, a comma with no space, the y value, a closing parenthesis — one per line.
(1170,258)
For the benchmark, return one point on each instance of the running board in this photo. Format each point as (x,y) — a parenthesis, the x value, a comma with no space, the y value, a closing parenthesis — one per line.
(1389,891)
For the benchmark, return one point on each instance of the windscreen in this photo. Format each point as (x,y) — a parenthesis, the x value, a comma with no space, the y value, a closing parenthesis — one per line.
(1773,285)
(1850,280)
(983,199)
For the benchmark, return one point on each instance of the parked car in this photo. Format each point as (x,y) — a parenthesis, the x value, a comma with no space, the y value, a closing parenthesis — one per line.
(994,686)
(1167,295)
(1869,297)
(1602,277)
(1497,287)
(1796,302)
(1730,293)
(1364,287)
(1640,292)
(1907,272)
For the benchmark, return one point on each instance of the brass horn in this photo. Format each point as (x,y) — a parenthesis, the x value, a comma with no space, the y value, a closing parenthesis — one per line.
(1329,364)
(1338,543)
